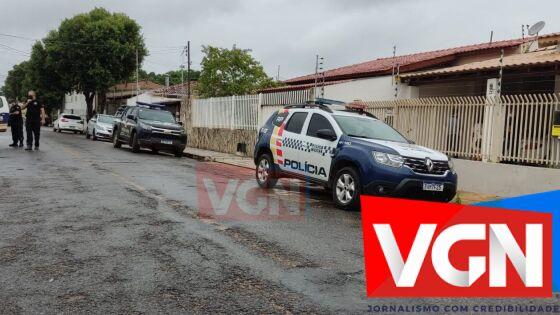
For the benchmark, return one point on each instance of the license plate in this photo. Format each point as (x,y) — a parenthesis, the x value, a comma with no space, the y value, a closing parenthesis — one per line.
(72,127)
(167,141)
(432,186)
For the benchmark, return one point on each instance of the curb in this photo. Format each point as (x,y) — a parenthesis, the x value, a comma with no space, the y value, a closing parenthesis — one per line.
(204,158)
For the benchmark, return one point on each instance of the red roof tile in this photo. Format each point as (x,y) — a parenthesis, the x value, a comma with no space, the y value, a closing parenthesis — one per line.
(177,89)
(299,86)
(406,62)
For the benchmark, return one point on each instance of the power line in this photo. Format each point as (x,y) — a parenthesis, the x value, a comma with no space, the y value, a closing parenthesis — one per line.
(15,49)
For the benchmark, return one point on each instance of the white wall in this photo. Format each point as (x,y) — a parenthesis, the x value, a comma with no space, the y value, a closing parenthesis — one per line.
(505,180)
(377,88)
(75,103)
(148,98)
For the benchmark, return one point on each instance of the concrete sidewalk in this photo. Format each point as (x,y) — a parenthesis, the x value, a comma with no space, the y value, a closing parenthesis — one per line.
(463,197)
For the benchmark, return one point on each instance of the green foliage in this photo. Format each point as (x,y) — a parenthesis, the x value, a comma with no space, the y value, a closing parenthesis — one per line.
(230,72)
(87,54)
(92,51)
(43,78)
(174,76)
(14,84)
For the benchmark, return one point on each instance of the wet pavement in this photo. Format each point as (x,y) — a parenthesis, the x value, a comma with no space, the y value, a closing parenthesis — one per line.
(85,227)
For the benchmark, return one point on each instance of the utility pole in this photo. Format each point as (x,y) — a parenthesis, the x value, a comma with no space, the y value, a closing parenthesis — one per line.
(318,68)
(189,72)
(278,74)
(137,72)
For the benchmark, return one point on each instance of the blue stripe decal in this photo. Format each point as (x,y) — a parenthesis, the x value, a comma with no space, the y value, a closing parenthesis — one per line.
(547,202)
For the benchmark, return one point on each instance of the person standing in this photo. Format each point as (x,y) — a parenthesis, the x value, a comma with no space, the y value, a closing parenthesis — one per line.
(16,123)
(34,118)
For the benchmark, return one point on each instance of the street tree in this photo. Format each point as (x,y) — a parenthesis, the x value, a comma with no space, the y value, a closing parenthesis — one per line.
(43,78)
(230,72)
(14,84)
(92,51)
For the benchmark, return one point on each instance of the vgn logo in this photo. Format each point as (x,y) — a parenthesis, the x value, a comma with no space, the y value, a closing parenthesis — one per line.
(427,249)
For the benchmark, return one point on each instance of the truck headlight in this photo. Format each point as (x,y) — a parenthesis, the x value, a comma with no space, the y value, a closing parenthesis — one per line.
(392,160)
(145,126)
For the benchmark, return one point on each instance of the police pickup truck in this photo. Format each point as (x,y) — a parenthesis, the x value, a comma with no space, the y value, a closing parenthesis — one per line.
(351,152)
(149,126)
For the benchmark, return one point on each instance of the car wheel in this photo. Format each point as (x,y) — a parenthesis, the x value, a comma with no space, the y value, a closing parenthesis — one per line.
(135,145)
(59,130)
(93,137)
(155,151)
(75,132)
(264,172)
(54,129)
(346,189)
(178,152)
(116,141)
(87,135)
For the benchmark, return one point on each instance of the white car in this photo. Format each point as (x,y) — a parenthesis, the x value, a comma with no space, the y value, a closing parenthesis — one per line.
(100,126)
(69,122)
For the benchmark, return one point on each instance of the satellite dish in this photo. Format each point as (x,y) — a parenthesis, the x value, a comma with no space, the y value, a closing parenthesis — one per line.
(536,28)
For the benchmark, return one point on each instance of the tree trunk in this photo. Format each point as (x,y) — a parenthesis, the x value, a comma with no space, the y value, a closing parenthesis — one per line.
(89,104)
(102,101)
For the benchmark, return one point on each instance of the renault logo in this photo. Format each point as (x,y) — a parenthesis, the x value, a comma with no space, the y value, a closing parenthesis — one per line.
(429,165)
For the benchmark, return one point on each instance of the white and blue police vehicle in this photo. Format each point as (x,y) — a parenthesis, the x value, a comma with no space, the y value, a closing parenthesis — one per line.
(351,152)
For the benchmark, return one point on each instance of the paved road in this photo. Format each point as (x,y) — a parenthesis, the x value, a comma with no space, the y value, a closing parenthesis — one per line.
(86,227)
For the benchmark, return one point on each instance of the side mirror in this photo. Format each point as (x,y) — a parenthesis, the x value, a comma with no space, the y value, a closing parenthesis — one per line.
(411,142)
(131,117)
(180,123)
(326,134)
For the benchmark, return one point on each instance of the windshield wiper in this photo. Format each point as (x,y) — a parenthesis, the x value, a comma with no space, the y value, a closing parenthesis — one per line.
(358,136)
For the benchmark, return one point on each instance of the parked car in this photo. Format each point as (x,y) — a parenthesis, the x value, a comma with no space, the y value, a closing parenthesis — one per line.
(69,122)
(100,126)
(350,152)
(149,127)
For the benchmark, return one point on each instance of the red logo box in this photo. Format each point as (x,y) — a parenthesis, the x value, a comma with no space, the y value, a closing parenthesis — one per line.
(427,249)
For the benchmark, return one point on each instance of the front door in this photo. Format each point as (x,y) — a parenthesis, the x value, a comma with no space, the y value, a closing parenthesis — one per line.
(318,153)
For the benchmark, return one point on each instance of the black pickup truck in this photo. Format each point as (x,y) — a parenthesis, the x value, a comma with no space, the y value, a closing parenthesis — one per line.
(152,128)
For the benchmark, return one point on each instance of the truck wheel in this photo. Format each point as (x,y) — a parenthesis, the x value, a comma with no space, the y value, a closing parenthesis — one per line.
(135,145)
(264,172)
(346,189)
(116,141)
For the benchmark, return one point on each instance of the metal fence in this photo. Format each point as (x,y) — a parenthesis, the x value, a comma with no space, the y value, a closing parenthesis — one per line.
(243,112)
(513,129)
(232,112)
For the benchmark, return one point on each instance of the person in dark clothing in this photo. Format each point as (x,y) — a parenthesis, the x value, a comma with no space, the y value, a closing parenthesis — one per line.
(16,123)
(34,118)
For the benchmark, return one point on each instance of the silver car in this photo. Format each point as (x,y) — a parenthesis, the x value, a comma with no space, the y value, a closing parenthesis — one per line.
(100,126)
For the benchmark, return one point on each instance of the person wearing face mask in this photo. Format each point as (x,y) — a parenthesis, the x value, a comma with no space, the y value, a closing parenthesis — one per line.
(16,123)
(35,117)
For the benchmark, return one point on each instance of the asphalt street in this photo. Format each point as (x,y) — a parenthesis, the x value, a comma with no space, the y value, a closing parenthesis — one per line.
(85,227)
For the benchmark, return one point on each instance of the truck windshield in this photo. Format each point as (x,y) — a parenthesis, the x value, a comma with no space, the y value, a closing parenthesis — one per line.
(156,115)
(369,128)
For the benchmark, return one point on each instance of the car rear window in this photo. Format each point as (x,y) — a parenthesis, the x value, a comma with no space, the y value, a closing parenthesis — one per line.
(279,119)
(73,117)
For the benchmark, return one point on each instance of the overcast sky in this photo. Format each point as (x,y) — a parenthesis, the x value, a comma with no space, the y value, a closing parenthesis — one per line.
(286,32)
